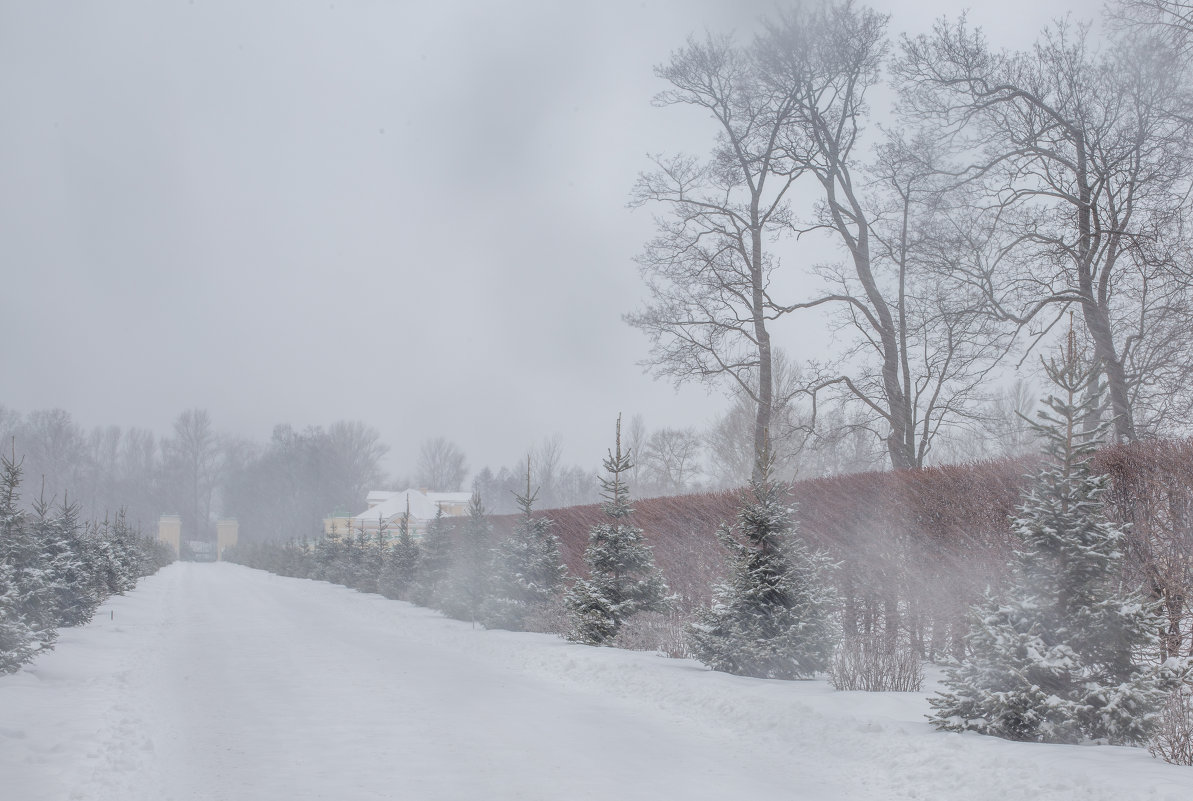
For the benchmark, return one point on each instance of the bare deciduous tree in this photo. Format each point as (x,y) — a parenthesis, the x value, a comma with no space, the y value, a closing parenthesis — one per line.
(192,464)
(1170,20)
(1082,176)
(729,442)
(441,466)
(670,461)
(354,454)
(921,347)
(708,269)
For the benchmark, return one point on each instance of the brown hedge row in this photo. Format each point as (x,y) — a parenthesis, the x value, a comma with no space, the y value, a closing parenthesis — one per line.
(917,548)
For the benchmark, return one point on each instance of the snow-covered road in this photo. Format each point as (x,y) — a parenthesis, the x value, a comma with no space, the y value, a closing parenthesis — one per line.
(220,682)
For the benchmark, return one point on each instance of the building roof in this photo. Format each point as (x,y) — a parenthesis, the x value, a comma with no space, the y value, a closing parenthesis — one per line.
(379,496)
(423,505)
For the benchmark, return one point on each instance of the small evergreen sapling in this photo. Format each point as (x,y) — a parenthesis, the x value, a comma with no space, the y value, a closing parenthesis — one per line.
(623,579)
(437,555)
(19,642)
(528,568)
(73,595)
(468,581)
(772,618)
(401,563)
(1056,658)
(27,590)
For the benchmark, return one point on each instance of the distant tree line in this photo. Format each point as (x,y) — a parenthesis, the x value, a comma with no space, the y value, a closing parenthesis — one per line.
(282,488)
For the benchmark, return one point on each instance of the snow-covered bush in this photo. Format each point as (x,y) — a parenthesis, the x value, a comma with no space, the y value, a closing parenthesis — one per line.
(772,618)
(1057,657)
(876,664)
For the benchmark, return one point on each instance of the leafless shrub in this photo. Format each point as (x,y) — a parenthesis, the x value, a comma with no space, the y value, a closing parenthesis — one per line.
(551,618)
(653,631)
(876,665)
(1173,739)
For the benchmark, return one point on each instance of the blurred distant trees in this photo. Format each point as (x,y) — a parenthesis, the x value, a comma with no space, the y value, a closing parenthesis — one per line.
(285,489)
(191,462)
(280,489)
(441,466)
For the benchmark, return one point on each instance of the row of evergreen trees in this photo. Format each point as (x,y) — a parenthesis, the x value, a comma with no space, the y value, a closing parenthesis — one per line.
(1066,652)
(55,570)
(1058,655)
(520,583)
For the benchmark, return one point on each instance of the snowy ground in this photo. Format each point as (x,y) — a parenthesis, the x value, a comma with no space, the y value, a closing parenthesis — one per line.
(220,682)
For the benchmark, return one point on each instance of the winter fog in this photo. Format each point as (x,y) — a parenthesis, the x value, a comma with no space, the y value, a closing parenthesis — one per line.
(680,399)
(408,215)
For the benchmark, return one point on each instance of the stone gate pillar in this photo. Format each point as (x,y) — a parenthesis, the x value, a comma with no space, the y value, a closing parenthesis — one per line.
(227,533)
(169,531)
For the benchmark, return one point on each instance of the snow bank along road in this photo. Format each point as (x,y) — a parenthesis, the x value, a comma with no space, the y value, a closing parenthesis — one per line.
(220,682)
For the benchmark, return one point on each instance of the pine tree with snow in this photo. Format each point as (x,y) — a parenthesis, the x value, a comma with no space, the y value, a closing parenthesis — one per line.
(437,555)
(772,618)
(73,596)
(379,553)
(623,579)
(528,568)
(19,642)
(468,581)
(26,594)
(1056,658)
(401,562)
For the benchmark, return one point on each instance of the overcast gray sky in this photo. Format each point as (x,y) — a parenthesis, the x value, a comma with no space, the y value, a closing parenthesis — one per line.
(411,214)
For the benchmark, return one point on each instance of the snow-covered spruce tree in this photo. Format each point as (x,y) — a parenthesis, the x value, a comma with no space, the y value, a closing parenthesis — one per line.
(772,618)
(26,625)
(378,556)
(19,642)
(623,579)
(1055,659)
(528,568)
(74,595)
(360,569)
(401,562)
(437,554)
(468,581)
(327,558)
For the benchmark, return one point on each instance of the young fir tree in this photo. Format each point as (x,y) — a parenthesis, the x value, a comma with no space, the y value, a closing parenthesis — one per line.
(401,564)
(468,582)
(772,618)
(19,642)
(528,568)
(73,594)
(1056,658)
(380,558)
(436,557)
(20,636)
(623,579)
